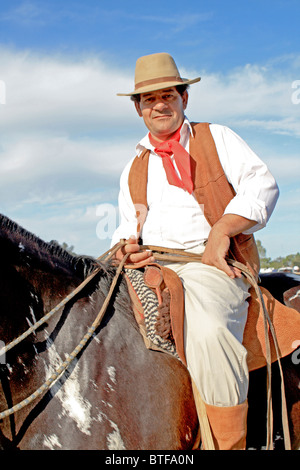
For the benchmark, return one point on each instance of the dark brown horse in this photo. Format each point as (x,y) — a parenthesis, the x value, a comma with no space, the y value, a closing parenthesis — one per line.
(116,394)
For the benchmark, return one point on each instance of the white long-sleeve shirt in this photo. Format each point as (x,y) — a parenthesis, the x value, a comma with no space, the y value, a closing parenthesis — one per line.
(174,218)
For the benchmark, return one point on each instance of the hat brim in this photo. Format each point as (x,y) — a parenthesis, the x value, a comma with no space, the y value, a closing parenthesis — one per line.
(160,86)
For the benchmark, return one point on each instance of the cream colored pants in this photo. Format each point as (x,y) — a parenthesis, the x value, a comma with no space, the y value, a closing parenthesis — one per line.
(215,317)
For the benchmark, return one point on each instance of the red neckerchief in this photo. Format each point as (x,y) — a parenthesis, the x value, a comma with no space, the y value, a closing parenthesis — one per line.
(182,158)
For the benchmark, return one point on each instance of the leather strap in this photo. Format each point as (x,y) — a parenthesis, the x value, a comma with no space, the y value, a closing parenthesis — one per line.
(153,81)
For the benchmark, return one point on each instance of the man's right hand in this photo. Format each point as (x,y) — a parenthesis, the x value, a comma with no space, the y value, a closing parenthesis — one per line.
(136,256)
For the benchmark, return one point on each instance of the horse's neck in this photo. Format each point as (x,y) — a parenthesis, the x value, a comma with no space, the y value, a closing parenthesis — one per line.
(50,287)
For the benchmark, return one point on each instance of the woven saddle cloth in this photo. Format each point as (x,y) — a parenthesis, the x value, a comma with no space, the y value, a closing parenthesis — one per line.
(157,299)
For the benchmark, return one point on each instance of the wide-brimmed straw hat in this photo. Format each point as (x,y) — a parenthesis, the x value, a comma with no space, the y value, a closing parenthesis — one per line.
(156,72)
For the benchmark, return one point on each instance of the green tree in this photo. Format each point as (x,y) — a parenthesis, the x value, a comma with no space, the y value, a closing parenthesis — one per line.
(287,261)
(261,250)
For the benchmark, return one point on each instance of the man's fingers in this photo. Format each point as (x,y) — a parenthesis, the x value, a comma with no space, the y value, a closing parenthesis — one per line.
(237,271)
(131,239)
(226,268)
(131,248)
(231,271)
(221,264)
(136,256)
(141,256)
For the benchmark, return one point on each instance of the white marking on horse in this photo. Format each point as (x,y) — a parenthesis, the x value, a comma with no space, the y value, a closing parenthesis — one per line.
(112,373)
(32,314)
(33,319)
(25,369)
(21,247)
(112,376)
(51,442)
(114,439)
(295,296)
(29,322)
(73,403)
(188,435)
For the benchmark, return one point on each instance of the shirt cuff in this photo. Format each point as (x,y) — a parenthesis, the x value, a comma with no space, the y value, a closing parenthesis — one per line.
(252,210)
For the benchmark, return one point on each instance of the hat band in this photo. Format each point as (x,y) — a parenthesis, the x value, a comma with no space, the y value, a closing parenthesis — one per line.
(153,81)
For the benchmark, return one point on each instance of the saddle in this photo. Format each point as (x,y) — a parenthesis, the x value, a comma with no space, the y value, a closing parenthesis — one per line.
(157,298)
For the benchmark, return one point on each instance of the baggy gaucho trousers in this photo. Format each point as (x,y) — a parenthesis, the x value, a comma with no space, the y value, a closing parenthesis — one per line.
(215,316)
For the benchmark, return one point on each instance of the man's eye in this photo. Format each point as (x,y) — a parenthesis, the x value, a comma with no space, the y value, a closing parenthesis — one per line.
(148,100)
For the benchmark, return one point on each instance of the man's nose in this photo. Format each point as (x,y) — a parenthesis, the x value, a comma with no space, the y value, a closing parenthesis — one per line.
(159,104)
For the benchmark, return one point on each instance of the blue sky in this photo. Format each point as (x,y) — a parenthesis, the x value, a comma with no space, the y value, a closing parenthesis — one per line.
(65,136)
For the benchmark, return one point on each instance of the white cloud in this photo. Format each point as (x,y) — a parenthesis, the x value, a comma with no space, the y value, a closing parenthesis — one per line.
(57,175)
(57,93)
(286,126)
(69,94)
(36,156)
(253,95)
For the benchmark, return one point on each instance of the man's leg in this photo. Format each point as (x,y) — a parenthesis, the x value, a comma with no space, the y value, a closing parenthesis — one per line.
(216,313)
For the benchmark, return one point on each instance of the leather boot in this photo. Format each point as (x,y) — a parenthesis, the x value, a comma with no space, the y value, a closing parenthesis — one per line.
(228,426)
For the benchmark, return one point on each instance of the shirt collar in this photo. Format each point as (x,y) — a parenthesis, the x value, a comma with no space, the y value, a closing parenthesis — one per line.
(185,132)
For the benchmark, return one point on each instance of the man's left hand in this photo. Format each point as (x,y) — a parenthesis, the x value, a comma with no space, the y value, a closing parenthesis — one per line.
(215,253)
(218,242)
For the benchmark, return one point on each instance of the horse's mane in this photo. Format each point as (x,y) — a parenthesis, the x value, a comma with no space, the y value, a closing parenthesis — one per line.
(19,245)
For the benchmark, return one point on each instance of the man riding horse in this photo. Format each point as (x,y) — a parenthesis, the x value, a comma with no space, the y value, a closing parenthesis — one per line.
(207,193)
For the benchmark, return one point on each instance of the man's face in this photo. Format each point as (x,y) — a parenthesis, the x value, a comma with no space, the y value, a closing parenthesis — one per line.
(162,111)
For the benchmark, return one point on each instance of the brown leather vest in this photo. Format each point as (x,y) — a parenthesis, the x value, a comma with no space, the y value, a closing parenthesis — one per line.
(211,190)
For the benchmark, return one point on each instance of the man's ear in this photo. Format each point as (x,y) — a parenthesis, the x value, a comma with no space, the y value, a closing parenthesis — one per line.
(185,98)
(138,108)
